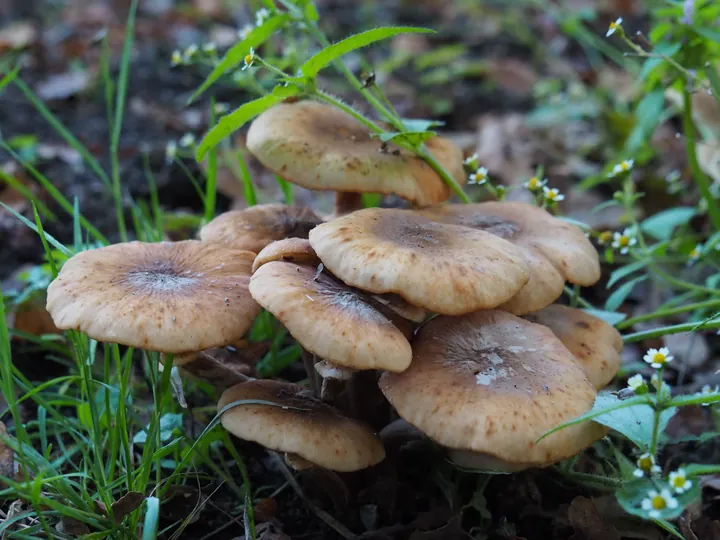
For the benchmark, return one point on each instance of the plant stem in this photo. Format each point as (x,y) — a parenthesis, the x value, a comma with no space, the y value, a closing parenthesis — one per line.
(443,173)
(667,312)
(657,410)
(327,98)
(673,329)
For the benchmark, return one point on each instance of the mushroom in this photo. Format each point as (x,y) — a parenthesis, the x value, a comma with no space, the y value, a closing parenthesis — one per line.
(255,227)
(297,250)
(556,251)
(595,344)
(440,267)
(294,422)
(318,146)
(488,385)
(172,297)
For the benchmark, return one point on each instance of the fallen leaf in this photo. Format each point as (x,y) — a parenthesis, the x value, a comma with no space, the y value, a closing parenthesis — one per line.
(588,523)
(17,35)
(708,155)
(71,527)
(691,349)
(7,457)
(265,509)
(125,505)
(63,85)
(512,74)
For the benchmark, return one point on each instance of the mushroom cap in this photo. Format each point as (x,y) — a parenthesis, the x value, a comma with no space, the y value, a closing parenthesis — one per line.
(441,267)
(255,227)
(401,307)
(307,427)
(595,344)
(297,250)
(172,297)
(556,250)
(492,383)
(328,318)
(321,147)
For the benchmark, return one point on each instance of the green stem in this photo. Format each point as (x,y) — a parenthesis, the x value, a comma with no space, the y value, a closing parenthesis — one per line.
(657,410)
(443,173)
(327,98)
(673,329)
(667,312)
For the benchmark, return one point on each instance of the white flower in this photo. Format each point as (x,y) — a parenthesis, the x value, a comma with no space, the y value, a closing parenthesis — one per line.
(624,241)
(672,177)
(261,15)
(249,59)
(471,161)
(535,184)
(479,177)
(209,47)
(657,358)
(170,151)
(190,52)
(645,465)
(552,195)
(605,238)
(637,384)
(657,502)
(187,140)
(176,58)
(221,108)
(614,27)
(622,167)
(707,389)
(679,482)
(696,253)
(245,31)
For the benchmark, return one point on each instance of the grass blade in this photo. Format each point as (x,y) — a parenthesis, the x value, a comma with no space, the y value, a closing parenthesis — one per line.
(152,518)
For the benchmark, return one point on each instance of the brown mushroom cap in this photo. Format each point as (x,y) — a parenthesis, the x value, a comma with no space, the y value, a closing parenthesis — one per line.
(172,297)
(255,227)
(329,319)
(492,383)
(440,267)
(556,250)
(297,250)
(301,425)
(595,344)
(321,147)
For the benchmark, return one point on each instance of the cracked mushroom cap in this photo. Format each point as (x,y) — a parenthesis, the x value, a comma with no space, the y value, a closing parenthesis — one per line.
(257,226)
(595,344)
(301,425)
(172,297)
(319,146)
(437,266)
(297,250)
(328,318)
(490,384)
(556,251)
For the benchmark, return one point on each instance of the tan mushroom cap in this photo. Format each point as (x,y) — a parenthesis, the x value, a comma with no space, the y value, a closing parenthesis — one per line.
(595,344)
(255,227)
(491,383)
(556,250)
(321,147)
(440,267)
(172,297)
(297,250)
(302,425)
(329,319)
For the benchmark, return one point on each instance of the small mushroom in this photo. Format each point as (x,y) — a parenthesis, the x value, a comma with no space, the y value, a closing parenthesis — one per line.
(172,297)
(487,385)
(556,251)
(331,320)
(319,146)
(440,267)
(595,344)
(300,425)
(255,227)
(297,250)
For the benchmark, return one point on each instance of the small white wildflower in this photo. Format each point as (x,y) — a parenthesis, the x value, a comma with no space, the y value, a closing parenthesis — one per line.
(221,108)
(678,480)
(605,238)
(190,52)
(249,59)
(637,384)
(261,15)
(624,241)
(696,253)
(176,58)
(187,140)
(245,31)
(614,27)
(646,465)
(209,47)
(471,161)
(657,502)
(657,358)
(707,389)
(170,151)
(535,184)
(479,177)
(552,195)
(624,166)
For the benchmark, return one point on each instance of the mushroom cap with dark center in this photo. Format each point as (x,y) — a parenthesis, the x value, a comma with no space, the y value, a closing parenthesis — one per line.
(172,297)
(297,250)
(321,147)
(440,267)
(595,344)
(492,383)
(255,227)
(331,320)
(301,425)
(556,250)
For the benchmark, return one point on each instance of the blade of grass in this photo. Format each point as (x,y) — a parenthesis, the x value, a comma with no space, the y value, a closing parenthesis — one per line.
(13,183)
(211,177)
(57,245)
(237,164)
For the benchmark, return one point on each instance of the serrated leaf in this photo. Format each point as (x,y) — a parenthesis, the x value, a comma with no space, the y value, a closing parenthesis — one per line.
(634,422)
(621,293)
(325,57)
(414,138)
(632,494)
(240,116)
(610,317)
(662,224)
(235,55)
(624,271)
(418,124)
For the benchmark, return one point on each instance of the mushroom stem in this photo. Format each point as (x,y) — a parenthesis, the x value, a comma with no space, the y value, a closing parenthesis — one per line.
(347,202)
(309,362)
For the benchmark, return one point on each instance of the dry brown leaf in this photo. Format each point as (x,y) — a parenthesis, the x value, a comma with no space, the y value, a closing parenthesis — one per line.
(7,457)
(125,505)
(71,527)
(512,74)
(588,523)
(708,155)
(505,146)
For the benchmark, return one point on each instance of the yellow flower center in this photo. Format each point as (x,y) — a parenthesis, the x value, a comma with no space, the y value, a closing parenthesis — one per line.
(658,502)
(613,25)
(605,236)
(533,183)
(678,482)
(645,463)
(625,166)
(249,58)
(624,241)
(659,358)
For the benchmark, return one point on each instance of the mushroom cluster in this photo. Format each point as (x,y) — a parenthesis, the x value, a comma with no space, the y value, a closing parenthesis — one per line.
(449,307)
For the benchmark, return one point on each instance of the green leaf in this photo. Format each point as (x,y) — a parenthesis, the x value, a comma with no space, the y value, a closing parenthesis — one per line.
(169,422)
(698,398)
(709,33)
(311,13)
(662,224)
(660,52)
(632,494)
(610,317)
(240,116)
(325,57)
(418,124)
(634,422)
(414,138)
(621,293)
(623,271)
(152,518)
(648,115)
(237,53)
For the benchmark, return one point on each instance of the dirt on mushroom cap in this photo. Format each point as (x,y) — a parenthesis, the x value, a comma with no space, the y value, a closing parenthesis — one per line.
(300,425)
(493,383)
(443,268)
(321,147)
(172,297)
